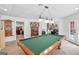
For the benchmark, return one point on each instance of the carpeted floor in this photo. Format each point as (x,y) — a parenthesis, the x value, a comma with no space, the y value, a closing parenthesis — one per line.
(11,48)
(67,48)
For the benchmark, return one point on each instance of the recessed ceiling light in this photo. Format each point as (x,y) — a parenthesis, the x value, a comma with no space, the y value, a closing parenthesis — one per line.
(76,8)
(5,9)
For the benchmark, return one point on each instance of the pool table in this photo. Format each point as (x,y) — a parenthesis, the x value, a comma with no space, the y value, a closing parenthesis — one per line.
(40,45)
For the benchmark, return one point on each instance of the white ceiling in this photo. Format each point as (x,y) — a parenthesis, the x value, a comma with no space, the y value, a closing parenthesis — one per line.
(34,10)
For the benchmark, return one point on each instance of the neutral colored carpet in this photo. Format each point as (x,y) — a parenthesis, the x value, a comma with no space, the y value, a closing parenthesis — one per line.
(67,48)
(11,48)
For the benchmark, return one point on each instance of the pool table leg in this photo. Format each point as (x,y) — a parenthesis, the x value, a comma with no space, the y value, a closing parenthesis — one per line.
(59,45)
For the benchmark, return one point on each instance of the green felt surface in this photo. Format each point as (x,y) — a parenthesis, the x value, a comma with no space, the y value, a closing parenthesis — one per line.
(40,43)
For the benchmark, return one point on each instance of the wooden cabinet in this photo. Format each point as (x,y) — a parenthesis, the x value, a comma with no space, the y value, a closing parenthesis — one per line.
(34,28)
(2,41)
(8,27)
(34,31)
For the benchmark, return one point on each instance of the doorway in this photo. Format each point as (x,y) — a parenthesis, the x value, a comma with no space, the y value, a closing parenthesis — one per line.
(19,30)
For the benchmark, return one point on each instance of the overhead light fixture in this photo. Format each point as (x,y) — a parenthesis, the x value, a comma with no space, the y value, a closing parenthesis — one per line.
(39,20)
(5,9)
(40,4)
(47,19)
(51,21)
(76,8)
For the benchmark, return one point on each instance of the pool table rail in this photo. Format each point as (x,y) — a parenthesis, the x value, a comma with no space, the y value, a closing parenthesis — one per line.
(26,50)
(47,51)
(51,48)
